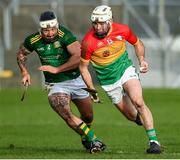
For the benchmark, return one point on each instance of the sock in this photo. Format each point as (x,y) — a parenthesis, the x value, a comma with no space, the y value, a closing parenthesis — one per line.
(88,125)
(87,122)
(88,133)
(152,134)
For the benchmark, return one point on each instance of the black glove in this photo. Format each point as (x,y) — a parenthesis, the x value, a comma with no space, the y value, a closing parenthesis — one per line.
(94,95)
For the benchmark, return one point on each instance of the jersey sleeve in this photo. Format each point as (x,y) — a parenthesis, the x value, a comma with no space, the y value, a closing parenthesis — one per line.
(68,37)
(27,44)
(86,51)
(131,37)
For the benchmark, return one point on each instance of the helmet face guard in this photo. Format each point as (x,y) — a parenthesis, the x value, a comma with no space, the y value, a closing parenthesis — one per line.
(100,14)
(49,23)
(48,20)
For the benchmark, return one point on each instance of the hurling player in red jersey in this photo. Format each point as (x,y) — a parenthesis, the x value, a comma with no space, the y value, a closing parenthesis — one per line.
(104,46)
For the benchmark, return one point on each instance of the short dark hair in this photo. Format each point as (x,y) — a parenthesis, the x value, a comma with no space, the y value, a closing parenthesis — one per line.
(47,15)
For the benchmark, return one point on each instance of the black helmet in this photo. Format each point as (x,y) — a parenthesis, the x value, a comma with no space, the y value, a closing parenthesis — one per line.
(48,19)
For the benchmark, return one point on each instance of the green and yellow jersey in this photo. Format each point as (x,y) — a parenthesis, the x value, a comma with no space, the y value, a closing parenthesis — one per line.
(54,54)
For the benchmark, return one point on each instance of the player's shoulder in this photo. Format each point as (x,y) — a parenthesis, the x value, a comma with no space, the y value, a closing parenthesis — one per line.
(33,38)
(63,28)
(89,35)
(62,31)
(120,25)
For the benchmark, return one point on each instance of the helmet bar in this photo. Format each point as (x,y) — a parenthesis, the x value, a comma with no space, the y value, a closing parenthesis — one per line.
(49,23)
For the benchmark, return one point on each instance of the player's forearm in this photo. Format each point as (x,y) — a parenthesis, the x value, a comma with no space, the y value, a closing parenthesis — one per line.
(74,60)
(140,51)
(72,63)
(21,60)
(88,80)
(86,77)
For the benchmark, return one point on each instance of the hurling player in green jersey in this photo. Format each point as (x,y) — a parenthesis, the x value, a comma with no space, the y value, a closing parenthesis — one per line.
(59,53)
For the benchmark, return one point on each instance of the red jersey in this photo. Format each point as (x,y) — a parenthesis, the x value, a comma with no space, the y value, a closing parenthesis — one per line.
(105,51)
(108,55)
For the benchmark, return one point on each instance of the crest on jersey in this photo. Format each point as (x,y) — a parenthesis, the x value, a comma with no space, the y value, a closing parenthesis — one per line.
(106,53)
(57,44)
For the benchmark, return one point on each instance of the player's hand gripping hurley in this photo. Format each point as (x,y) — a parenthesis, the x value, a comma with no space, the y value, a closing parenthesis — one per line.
(94,95)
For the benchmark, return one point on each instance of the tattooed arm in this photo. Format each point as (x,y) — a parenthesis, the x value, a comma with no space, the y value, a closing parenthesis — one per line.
(21,60)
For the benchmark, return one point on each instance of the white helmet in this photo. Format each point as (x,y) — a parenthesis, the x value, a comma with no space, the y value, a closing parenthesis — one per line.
(48,19)
(101,13)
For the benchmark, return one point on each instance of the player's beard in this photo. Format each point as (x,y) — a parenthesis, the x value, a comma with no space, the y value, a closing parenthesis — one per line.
(50,40)
(101,35)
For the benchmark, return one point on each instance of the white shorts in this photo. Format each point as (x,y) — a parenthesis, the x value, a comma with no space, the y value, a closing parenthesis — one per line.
(115,91)
(70,87)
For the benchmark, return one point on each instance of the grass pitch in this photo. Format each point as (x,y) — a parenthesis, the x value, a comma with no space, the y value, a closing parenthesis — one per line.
(31,129)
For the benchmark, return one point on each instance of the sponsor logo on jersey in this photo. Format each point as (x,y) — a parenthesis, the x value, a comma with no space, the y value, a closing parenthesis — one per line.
(40,49)
(109,41)
(50,58)
(119,38)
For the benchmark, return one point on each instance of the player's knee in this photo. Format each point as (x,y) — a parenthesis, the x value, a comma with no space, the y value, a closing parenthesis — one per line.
(61,106)
(139,103)
(58,100)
